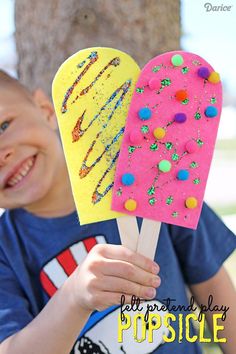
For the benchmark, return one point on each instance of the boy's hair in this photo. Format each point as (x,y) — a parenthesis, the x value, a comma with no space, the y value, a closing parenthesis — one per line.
(7,81)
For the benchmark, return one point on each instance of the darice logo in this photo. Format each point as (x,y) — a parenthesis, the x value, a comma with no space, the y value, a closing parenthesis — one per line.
(213,8)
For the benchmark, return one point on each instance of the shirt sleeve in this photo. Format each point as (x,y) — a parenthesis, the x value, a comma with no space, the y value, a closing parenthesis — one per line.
(14,307)
(202,252)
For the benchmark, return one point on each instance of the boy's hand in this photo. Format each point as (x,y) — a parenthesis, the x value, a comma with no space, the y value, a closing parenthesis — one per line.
(110,271)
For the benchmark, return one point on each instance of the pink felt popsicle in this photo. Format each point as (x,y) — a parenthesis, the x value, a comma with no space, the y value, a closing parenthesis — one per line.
(169,140)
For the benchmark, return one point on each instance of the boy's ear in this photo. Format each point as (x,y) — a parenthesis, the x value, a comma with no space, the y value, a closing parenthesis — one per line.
(43,102)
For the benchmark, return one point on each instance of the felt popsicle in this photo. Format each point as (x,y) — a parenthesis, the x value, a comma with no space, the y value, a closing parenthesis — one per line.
(91,92)
(168,144)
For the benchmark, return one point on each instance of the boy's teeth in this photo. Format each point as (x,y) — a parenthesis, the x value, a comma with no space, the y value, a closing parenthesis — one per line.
(22,172)
(12,182)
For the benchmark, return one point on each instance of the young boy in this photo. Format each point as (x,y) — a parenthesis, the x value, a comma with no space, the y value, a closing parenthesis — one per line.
(45,297)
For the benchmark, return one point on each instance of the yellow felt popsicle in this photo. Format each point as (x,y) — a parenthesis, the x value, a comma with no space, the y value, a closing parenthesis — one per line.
(91,92)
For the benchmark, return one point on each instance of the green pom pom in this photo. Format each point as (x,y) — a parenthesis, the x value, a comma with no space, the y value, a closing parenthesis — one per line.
(177,60)
(164,166)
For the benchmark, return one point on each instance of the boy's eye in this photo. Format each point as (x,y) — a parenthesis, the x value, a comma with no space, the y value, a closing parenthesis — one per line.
(4,126)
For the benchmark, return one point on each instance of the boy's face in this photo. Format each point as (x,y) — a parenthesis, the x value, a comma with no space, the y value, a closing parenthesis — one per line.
(30,151)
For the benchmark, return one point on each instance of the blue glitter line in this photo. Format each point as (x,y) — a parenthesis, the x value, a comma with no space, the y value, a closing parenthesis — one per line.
(84,167)
(97,196)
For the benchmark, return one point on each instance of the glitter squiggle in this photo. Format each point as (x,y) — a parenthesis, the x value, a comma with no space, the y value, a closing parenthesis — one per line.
(84,170)
(93,57)
(113,62)
(97,196)
(113,102)
(78,131)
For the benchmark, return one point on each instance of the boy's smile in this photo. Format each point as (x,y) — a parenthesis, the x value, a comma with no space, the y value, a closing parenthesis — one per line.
(19,174)
(32,166)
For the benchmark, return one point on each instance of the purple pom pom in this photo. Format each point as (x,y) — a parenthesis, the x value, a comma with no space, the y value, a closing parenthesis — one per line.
(180,117)
(203,72)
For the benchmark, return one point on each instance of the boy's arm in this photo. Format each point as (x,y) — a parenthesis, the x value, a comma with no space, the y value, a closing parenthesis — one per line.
(107,272)
(54,330)
(223,291)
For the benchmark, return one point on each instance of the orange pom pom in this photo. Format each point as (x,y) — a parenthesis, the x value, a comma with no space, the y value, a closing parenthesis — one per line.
(181,95)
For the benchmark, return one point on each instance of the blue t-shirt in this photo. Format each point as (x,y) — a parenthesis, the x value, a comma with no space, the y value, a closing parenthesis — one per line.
(37,255)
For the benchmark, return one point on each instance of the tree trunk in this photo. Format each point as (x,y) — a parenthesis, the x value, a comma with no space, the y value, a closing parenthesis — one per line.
(49,31)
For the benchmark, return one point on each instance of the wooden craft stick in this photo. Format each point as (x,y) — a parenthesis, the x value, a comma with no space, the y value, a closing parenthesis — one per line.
(129,232)
(148,239)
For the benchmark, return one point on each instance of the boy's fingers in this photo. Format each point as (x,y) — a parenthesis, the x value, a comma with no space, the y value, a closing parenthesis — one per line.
(125,286)
(107,299)
(124,254)
(130,272)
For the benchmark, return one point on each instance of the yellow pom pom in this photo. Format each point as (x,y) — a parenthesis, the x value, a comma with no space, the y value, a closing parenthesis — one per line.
(214,77)
(159,133)
(191,203)
(130,204)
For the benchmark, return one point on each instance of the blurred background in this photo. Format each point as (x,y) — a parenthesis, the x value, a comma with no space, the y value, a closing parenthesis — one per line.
(37,36)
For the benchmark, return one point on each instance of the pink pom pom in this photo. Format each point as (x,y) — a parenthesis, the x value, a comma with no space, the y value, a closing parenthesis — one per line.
(154,83)
(135,137)
(191,146)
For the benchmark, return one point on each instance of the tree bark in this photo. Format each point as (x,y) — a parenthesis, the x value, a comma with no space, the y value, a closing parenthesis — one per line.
(49,31)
